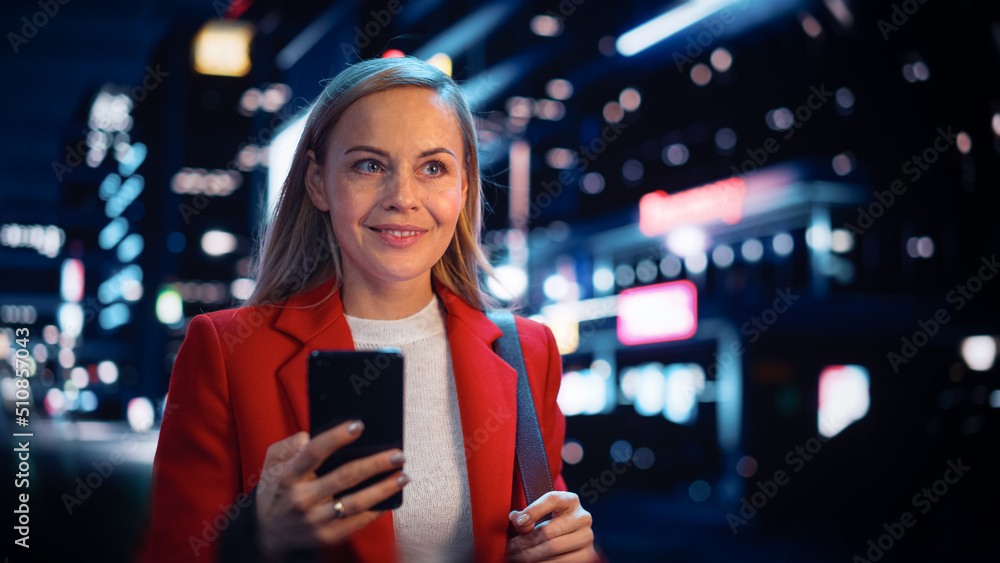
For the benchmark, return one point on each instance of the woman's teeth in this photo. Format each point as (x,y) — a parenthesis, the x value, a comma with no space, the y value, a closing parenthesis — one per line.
(398,233)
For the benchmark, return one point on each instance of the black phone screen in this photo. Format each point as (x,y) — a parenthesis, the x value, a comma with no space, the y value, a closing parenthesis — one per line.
(367,385)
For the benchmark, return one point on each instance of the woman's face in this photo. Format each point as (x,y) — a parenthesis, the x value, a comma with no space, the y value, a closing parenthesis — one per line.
(393,182)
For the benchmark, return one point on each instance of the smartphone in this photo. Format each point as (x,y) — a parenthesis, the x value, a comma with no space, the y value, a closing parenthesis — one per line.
(367,385)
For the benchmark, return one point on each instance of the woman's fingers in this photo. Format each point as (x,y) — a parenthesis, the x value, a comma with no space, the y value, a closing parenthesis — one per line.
(540,534)
(337,529)
(555,502)
(566,537)
(574,546)
(553,537)
(296,509)
(284,450)
(374,494)
(354,472)
(321,446)
(361,501)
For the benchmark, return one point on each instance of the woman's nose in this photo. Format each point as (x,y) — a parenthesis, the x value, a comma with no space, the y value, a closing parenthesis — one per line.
(401,192)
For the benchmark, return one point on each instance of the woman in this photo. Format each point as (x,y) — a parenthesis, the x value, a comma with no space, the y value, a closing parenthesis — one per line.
(374,243)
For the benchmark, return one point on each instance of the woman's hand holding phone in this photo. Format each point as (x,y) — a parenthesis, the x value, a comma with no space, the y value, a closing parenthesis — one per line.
(295,509)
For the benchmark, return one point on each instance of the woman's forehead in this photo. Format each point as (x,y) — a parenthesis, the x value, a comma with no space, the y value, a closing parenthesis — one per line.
(400,116)
(401,106)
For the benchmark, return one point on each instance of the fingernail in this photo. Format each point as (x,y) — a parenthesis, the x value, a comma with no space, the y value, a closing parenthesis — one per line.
(356,427)
(522,519)
(398,459)
(403,479)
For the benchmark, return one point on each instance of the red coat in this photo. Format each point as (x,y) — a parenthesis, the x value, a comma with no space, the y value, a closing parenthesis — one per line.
(239,384)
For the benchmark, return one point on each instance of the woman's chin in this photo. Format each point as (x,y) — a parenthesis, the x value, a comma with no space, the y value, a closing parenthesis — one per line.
(397,275)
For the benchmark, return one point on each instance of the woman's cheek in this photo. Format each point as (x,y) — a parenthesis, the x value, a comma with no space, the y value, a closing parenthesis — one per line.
(457,201)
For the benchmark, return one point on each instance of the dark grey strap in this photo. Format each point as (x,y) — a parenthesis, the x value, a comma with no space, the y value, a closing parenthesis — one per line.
(530,454)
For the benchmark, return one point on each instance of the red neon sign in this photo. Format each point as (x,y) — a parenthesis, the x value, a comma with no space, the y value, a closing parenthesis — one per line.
(723,200)
(658,313)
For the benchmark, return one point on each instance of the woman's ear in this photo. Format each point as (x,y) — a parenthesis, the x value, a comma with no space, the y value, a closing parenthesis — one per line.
(314,182)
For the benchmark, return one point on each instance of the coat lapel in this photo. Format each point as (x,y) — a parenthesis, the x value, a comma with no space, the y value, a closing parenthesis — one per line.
(324,327)
(486,387)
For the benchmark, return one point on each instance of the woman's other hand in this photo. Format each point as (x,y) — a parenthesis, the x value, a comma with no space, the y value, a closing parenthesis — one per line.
(567,537)
(295,508)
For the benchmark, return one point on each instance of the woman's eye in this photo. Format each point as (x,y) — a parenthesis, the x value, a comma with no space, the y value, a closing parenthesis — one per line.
(368,166)
(433,169)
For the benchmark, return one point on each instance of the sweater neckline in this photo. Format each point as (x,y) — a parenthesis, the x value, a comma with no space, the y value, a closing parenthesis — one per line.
(425,323)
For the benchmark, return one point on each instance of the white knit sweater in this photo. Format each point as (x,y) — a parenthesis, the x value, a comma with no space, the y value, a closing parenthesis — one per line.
(434,524)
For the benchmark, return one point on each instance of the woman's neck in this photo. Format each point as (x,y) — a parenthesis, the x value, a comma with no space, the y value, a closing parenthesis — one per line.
(385,302)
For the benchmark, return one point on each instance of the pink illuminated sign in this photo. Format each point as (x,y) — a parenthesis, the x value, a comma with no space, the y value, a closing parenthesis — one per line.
(659,211)
(658,313)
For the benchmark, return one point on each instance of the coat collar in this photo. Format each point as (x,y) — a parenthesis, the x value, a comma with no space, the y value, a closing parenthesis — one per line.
(486,386)
(302,319)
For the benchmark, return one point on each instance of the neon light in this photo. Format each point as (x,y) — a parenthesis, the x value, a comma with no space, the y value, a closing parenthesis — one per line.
(650,389)
(659,211)
(583,392)
(843,398)
(979,352)
(683,384)
(667,24)
(46,239)
(658,313)
(71,284)
(280,153)
(222,48)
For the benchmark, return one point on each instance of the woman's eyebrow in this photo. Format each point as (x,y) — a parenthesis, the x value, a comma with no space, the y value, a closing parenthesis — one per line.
(437,150)
(366,148)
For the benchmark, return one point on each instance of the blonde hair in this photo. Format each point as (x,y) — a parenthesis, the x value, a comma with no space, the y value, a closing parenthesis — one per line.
(299,250)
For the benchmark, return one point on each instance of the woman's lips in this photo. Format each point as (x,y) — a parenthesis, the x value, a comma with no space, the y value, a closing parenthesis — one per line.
(398,239)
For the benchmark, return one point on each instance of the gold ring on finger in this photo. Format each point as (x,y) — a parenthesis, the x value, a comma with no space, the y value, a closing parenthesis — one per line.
(338,510)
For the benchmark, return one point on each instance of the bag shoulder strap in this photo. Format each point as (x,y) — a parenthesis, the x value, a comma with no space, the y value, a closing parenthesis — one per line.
(532,462)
